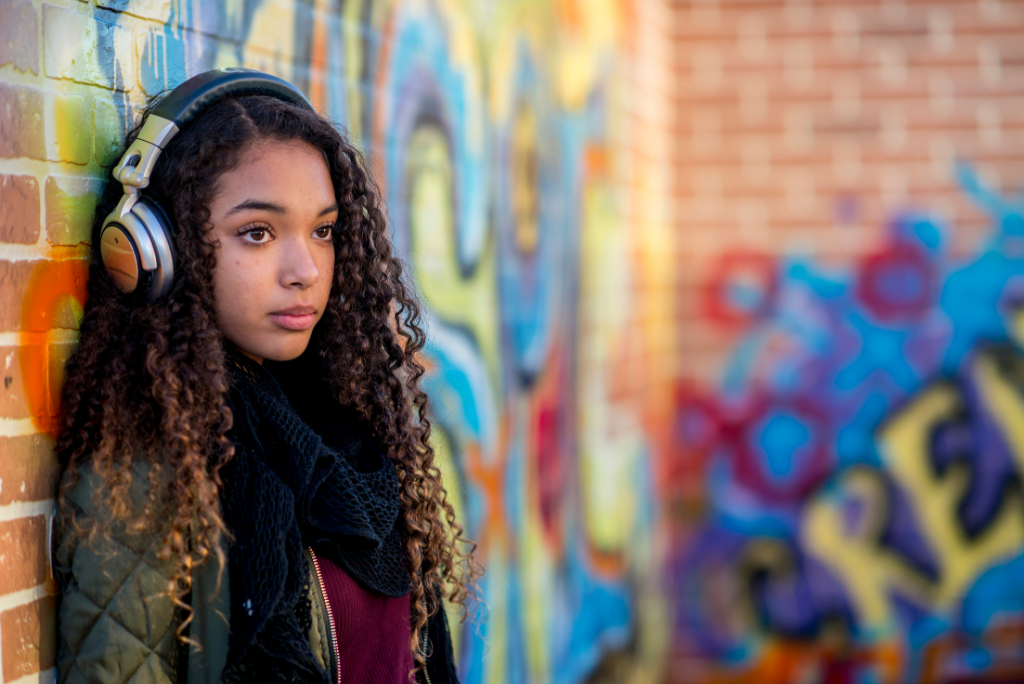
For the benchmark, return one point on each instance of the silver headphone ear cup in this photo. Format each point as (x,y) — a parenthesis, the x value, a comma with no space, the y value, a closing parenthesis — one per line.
(128,251)
(120,257)
(136,243)
(155,222)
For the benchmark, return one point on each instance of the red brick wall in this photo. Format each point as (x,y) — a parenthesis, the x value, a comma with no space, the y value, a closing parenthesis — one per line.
(812,138)
(804,126)
(38,243)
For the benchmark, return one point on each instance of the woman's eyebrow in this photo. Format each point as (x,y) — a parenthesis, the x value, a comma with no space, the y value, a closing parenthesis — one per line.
(257,205)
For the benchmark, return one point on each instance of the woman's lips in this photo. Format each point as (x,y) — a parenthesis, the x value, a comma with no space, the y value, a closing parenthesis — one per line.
(297,318)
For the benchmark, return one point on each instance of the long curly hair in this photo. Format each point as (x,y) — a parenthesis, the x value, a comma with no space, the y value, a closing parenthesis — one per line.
(148,382)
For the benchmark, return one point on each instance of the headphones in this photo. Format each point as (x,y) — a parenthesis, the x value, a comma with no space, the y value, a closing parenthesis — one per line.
(136,243)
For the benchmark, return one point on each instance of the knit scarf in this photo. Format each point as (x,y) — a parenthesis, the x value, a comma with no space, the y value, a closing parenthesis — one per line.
(305,473)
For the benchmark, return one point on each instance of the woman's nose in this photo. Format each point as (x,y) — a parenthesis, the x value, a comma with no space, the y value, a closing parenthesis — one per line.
(299,267)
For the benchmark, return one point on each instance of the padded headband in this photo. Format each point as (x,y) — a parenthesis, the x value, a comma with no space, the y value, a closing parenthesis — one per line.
(183,103)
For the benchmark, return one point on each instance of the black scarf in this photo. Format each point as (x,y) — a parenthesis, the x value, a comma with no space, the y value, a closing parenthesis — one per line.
(305,473)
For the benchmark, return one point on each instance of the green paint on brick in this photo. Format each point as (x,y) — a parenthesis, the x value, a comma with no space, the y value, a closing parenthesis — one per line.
(72,117)
(70,205)
(108,134)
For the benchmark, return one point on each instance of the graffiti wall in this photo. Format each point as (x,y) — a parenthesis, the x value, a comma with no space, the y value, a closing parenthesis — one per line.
(849,431)
(534,216)
(723,300)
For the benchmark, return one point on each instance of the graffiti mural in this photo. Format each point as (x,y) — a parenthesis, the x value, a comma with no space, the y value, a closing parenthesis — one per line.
(862,458)
(484,190)
(488,128)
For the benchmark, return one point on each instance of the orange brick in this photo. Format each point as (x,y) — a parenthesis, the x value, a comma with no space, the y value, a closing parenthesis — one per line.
(29,470)
(29,638)
(13,399)
(14,277)
(21,122)
(54,296)
(24,558)
(19,197)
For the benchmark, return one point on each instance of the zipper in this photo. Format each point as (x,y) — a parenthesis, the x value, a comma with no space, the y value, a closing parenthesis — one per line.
(426,675)
(330,613)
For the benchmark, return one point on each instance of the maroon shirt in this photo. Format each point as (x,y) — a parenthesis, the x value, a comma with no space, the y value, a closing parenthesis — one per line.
(373,630)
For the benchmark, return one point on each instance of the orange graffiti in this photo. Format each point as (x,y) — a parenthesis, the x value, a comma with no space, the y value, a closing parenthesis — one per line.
(318,66)
(784,661)
(570,14)
(51,284)
(939,661)
(379,124)
(488,477)
(595,162)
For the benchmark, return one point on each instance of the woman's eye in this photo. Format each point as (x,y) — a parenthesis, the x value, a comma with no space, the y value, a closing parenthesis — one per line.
(324,232)
(257,235)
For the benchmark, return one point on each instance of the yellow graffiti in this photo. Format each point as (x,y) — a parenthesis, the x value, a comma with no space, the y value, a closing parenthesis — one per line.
(467,302)
(905,444)
(871,572)
(867,570)
(610,443)
(269,48)
(524,170)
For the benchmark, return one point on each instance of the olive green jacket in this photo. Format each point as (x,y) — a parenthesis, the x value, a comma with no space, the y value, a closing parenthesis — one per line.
(117,624)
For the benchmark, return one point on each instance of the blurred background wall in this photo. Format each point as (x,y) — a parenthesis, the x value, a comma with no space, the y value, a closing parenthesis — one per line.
(722,295)
(850,410)
(523,148)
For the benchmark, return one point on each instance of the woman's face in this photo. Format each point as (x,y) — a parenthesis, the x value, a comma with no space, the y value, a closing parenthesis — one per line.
(272,218)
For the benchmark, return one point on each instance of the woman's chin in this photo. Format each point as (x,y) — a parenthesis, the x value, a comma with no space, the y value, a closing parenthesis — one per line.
(291,349)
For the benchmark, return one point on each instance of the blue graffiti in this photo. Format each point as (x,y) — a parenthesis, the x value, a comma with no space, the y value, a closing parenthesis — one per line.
(856,345)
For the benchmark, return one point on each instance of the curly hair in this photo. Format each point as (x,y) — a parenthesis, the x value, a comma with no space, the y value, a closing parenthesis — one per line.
(148,381)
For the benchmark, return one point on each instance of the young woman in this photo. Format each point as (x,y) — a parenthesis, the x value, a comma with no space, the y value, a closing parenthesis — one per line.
(249,490)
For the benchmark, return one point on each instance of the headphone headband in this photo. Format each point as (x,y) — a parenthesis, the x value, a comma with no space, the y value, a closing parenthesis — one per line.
(183,103)
(137,248)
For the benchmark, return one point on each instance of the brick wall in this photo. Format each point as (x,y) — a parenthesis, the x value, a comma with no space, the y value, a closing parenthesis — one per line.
(47,172)
(806,126)
(848,194)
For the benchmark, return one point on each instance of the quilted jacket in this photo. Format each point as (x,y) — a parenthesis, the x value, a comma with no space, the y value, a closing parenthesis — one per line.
(117,625)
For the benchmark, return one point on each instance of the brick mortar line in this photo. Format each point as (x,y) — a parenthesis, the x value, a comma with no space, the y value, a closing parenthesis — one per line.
(46,677)
(26,166)
(11,75)
(17,427)
(15,251)
(26,509)
(51,336)
(37,252)
(53,84)
(140,23)
(41,47)
(22,598)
